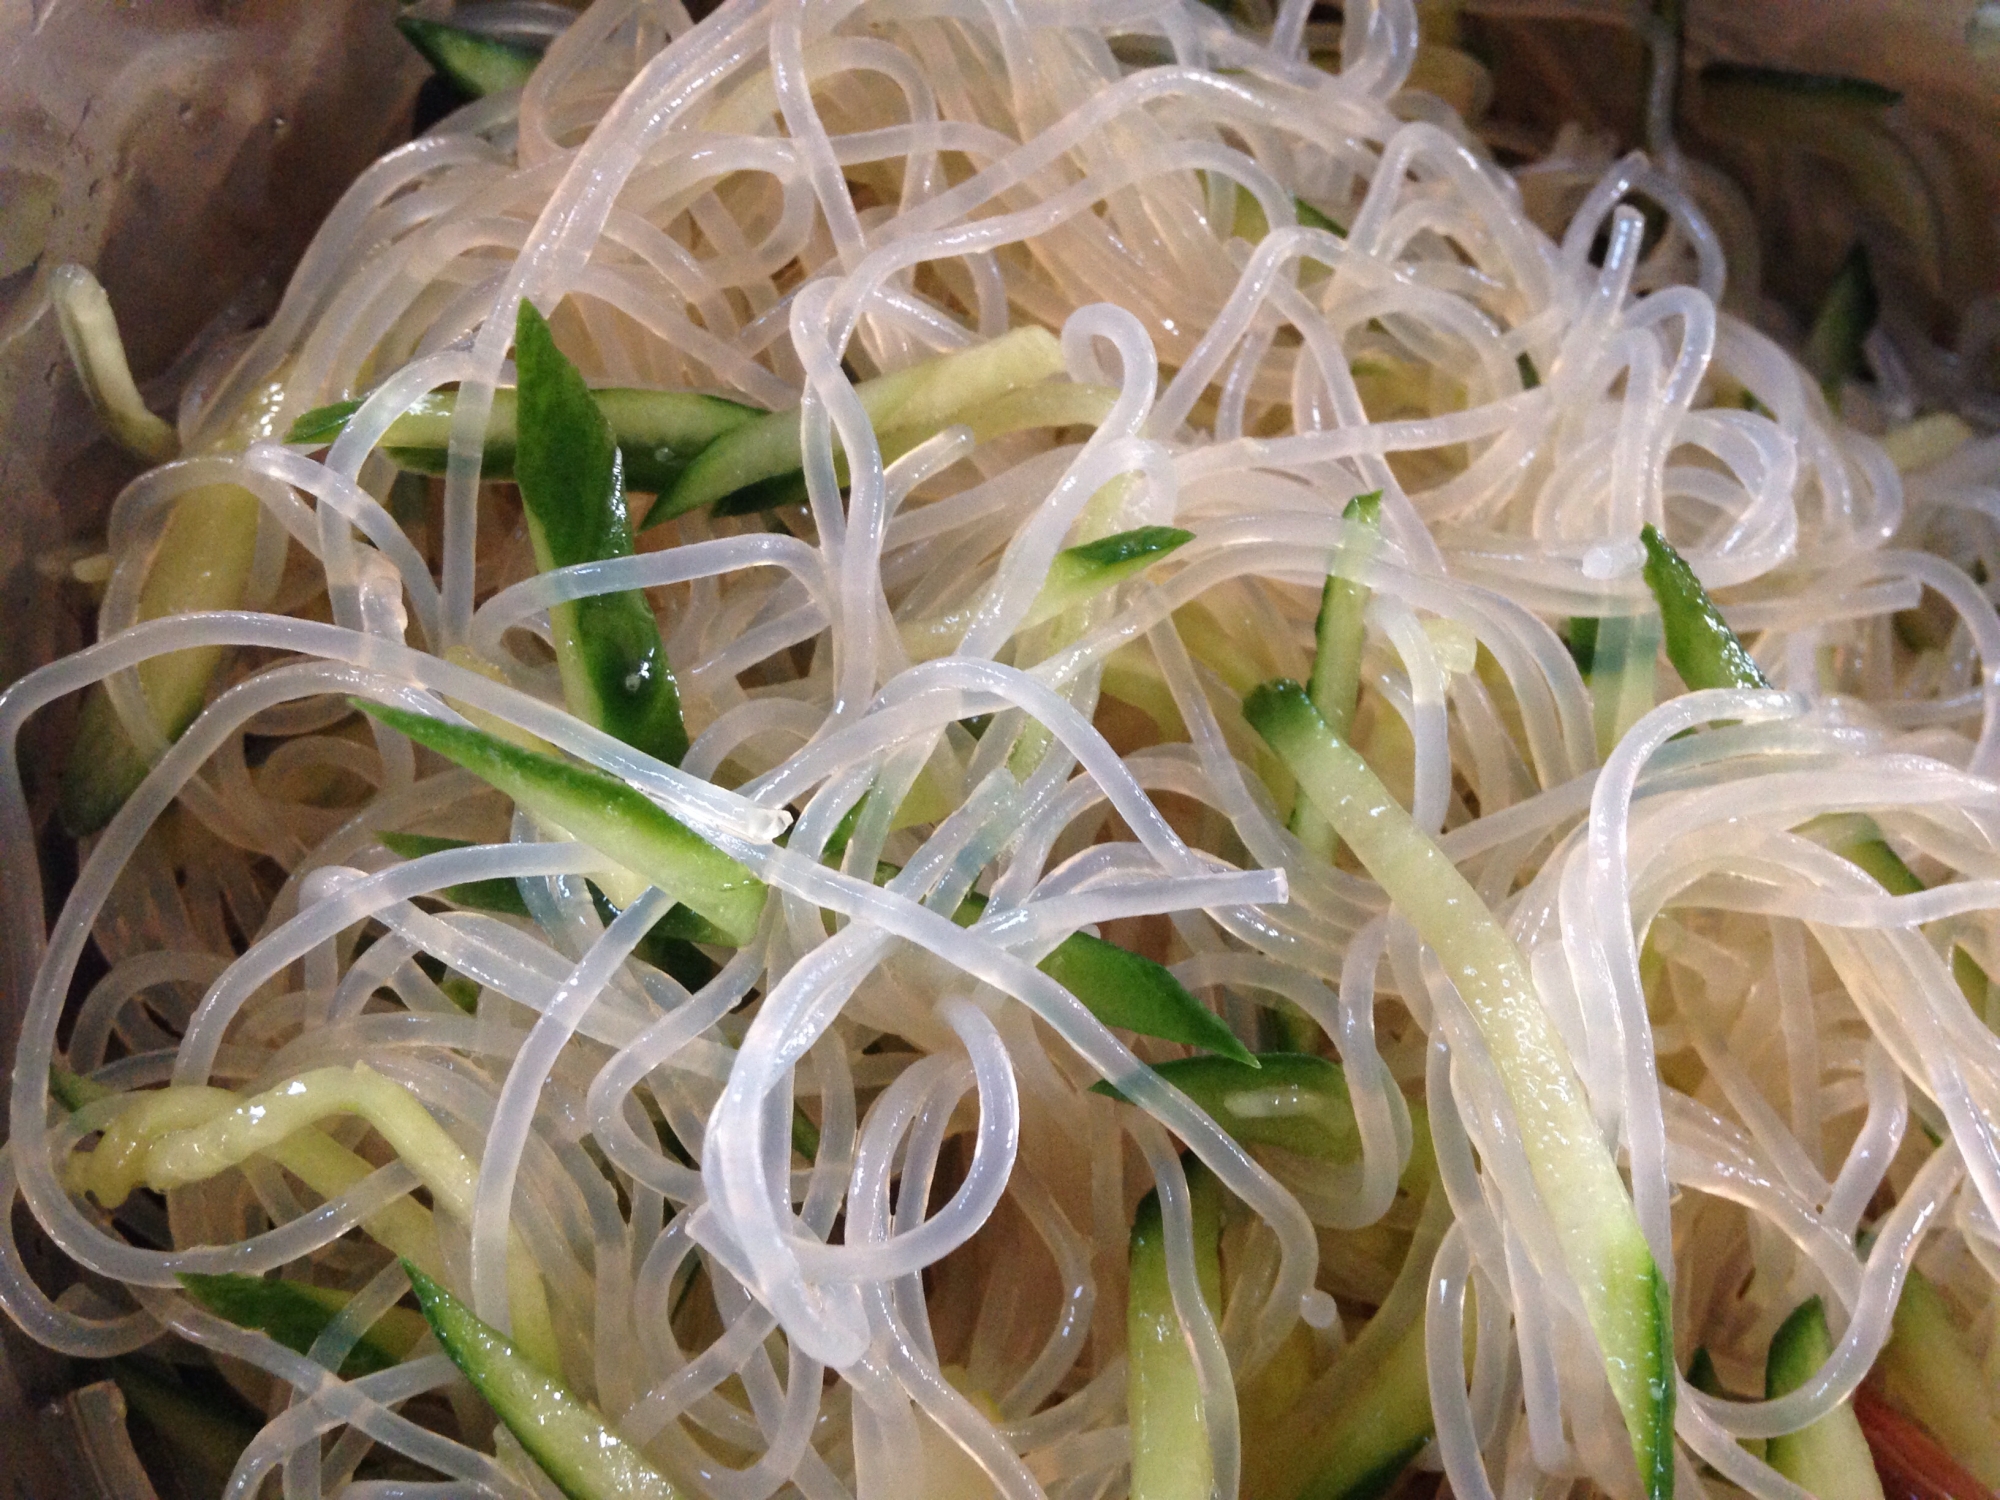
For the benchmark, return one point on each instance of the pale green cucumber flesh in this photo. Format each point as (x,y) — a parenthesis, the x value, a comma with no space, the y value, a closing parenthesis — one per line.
(1830,1458)
(583,1456)
(1170,1455)
(1291,1100)
(1379,1430)
(1623,1292)
(601,811)
(473,64)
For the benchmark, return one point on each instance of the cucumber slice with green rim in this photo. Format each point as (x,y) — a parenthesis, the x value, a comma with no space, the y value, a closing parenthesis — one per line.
(1338,636)
(1125,989)
(1290,1100)
(1078,573)
(1381,1427)
(474,64)
(1624,1294)
(1834,345)
(501,897)
(295,1314)
(658,432)
(1170,1457)
(615,672)
(911,405)
(1700,644)
(1926,1369)
(601,811)
(1829,1458)
(584,1457)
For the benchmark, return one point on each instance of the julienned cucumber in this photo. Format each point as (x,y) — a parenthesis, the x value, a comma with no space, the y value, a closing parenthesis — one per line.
(614,668)
(473,64)
(1290,1100)
(1624,1294)
(658,432)
(295,1314)
(1830,1458)
(1835,343)
(1700,644)
(1379,1430)
(1128,990)
(1170,1455)
(584,1457)
(1080,572)
(910,404)
(603,812)
(1925,1368)
(1338,636)
(502,897)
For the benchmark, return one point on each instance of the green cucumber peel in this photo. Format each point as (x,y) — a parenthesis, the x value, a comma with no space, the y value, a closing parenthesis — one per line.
(1338,637)
(614,668)
(1831,1457)
(657,431)
(1700,644)
(1122,988)
(913,404)
(1856,838)
(1079,573)
(474,64)
(1834,348)
(1291,1100)
(501,897)
(72,1090)
(600,810)
(295,1314)
(1170,1456)
(584,1458)
(1597,1228)
(1380,1428)
(1785,82)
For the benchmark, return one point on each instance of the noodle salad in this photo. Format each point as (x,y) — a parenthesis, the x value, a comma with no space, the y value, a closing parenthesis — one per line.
(895,749)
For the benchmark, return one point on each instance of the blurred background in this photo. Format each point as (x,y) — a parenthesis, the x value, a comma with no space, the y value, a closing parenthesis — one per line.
(184,150)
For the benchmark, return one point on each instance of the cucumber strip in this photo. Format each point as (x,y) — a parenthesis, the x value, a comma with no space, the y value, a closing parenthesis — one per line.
(658,432)
(72,1090)
(1381,1427)
(1829,1458)
(1700,644)
(1856,839)
(1078,573)
(1908,1460)
(1833,349)
(1926,1370)
(584,1457)
(914,403)
(1838,120)
(474,64)
(208,1429)
(295,1314)
(1702,1376)
(1252,224)
(601,811)
(1338,636)
(202,562)
(1624,1294)
(614,669)
(501,897)
(1122,988)
(97,354)
(1290,1100)
(1170,1457)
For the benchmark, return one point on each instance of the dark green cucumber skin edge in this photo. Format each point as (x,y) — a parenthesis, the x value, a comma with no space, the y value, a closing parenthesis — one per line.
(477,1349)
(475,65)
(1700,644)
(1142,543)
(1209,1080)
(567,464)
(286,1313)
(651,465)
(501,897)
(1830,86)
(509,767)
(1128,990)
(1269,709)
